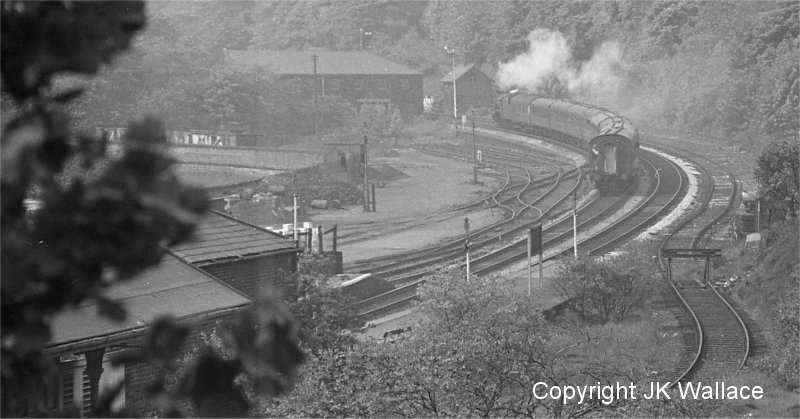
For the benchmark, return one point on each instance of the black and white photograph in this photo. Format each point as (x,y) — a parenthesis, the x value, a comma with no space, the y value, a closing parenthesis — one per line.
(400,208)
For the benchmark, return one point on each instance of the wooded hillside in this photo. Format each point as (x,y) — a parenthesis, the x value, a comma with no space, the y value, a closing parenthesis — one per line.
(722,68)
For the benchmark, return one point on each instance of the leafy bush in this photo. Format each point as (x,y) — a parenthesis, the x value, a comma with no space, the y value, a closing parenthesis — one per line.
(103,221)
(782,361)
(326,316)
(778,174)
(788,336)
(769,287)
(603,291)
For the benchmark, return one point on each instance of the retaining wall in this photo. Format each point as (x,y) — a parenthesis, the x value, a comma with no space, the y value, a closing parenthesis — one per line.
(259,158)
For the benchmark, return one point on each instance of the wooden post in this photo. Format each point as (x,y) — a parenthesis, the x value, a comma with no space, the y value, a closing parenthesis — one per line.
(333,241)
(530,275)
(373,197)
(474,155)
(294,210)
(466,243)
(320,247)
(94,369)
(366,184)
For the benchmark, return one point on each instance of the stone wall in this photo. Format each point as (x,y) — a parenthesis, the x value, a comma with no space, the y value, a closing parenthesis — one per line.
(258,158)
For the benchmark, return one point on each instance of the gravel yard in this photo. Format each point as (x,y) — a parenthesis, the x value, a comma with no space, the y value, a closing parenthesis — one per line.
(411,212)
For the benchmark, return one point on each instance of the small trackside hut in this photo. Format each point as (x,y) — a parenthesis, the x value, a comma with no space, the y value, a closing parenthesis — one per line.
(244,256)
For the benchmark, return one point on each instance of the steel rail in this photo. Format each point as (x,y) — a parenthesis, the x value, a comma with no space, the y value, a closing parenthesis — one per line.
(693,314)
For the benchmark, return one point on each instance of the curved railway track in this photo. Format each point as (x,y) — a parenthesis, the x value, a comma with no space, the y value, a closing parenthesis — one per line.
(414,265)
(521,203)
(517,180)
(659,196)
(716,337)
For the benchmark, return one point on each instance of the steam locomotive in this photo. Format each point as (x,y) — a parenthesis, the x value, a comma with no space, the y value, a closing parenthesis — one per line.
(611,141)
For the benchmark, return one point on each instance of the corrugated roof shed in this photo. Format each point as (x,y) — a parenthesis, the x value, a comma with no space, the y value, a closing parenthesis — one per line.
(328,62)
(173,288)
(220,237)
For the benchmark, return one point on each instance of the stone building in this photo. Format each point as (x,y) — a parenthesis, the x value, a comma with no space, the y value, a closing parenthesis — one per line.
(360,77)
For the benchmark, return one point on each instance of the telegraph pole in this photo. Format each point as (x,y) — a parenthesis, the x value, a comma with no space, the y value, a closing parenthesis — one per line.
(316,107)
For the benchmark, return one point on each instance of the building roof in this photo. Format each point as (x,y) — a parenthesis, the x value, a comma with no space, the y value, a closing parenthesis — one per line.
(460,71)
(328,62)
(223,238)
(173,287)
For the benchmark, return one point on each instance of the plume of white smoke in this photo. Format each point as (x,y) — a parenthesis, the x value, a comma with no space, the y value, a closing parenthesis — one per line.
(548,56)
(600,76)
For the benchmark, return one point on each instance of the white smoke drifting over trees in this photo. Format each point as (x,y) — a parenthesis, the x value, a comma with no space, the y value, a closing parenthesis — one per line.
(548,57)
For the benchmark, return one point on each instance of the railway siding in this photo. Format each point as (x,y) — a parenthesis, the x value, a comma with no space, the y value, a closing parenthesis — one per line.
(716,338)
(508,255)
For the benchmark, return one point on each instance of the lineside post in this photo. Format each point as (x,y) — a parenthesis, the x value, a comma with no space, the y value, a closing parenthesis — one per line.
(575,223)
(530,276)
(320,244)
(373,197)
(466,243)
(366,185)
(474,154)
(534,246)
(294,226)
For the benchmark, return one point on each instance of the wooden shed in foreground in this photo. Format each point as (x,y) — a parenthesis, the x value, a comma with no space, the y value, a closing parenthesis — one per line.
(85,344)
(245,256)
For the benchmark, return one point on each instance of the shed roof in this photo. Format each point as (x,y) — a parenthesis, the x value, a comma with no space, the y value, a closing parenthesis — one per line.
(220,237)
(460,71)
(328,62)
(173,288)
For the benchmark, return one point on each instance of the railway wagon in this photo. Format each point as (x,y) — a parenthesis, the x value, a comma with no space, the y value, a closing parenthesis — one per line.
(611,141)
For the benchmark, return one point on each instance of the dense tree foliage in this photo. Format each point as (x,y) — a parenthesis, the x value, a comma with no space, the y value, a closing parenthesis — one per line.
(778,175)
(724,68)
(105,218)
(478,351)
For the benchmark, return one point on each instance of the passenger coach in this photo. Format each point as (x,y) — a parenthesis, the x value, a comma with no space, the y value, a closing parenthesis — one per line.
(611,141)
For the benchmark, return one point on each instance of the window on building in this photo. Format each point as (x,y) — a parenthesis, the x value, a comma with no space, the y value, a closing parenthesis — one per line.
(472,79)
(405,84)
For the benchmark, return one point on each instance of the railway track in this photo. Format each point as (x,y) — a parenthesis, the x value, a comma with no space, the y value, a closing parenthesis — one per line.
(715,336)
(659,197)
(413,265)
(520,203)
(517,179)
